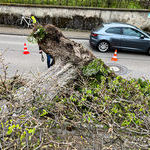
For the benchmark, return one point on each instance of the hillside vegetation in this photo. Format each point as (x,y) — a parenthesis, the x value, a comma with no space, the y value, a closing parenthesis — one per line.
(98,110)
(130,4)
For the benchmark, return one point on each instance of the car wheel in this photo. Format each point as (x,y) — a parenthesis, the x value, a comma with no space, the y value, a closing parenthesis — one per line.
(103,46)
(148,52)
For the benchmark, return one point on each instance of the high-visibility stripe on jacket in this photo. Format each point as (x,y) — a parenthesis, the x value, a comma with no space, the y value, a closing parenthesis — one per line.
(33,19)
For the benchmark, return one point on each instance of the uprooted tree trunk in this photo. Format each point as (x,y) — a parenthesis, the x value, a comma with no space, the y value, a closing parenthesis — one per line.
(69,58)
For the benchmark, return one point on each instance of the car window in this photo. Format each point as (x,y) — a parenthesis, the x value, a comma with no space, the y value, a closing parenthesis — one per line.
(131,32)
(114,30)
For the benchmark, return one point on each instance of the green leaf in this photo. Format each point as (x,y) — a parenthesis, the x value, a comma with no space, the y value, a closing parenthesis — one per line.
(23,135)
(44,113)
(31,131)
(9,131)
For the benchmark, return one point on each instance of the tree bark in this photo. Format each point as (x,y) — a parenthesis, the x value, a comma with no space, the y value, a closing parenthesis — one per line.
(69,58)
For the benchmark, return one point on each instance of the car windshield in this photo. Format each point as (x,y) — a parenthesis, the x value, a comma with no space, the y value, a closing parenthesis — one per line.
(147,34)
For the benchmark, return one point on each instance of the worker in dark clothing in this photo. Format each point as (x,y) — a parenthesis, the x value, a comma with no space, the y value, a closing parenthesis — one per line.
(49,57)
(48,60)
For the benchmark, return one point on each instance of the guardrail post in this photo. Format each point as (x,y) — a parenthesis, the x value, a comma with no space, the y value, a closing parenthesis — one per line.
(67,2)
(48,2)
(76,3)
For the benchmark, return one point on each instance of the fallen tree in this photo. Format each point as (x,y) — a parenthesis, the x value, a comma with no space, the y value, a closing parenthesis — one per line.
(69,57)
(77,104)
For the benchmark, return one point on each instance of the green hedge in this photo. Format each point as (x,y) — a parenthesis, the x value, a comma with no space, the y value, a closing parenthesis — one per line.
(87,3)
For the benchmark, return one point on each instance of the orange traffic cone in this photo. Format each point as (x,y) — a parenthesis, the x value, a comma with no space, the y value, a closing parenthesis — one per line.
(25,50)
(114,58)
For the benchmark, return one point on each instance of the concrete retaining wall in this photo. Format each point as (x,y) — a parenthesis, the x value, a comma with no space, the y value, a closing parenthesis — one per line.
(74,18)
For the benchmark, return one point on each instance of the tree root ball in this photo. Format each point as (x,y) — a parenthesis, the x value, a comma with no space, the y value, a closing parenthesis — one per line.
(56,44)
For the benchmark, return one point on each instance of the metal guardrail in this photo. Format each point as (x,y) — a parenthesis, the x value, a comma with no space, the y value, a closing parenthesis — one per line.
(137,4)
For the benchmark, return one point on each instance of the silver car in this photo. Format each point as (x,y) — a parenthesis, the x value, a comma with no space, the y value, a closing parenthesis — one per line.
(120,36)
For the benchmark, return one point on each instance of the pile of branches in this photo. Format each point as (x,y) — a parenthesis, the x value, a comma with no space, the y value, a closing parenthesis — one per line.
(98,110)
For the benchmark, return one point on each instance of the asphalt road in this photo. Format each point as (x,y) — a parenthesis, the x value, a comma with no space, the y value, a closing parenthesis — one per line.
(129,65)
(132,65)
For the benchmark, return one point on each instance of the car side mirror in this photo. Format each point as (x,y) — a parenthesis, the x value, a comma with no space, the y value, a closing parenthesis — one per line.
(142,37)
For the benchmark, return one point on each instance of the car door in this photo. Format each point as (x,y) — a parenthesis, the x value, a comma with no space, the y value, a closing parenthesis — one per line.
(114,35)
(133,40)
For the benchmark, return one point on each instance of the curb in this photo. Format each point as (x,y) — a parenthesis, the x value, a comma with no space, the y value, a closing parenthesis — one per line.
(80,38)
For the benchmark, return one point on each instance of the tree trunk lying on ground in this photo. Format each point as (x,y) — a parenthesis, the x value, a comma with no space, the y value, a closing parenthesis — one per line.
(69,57)
(106,112)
